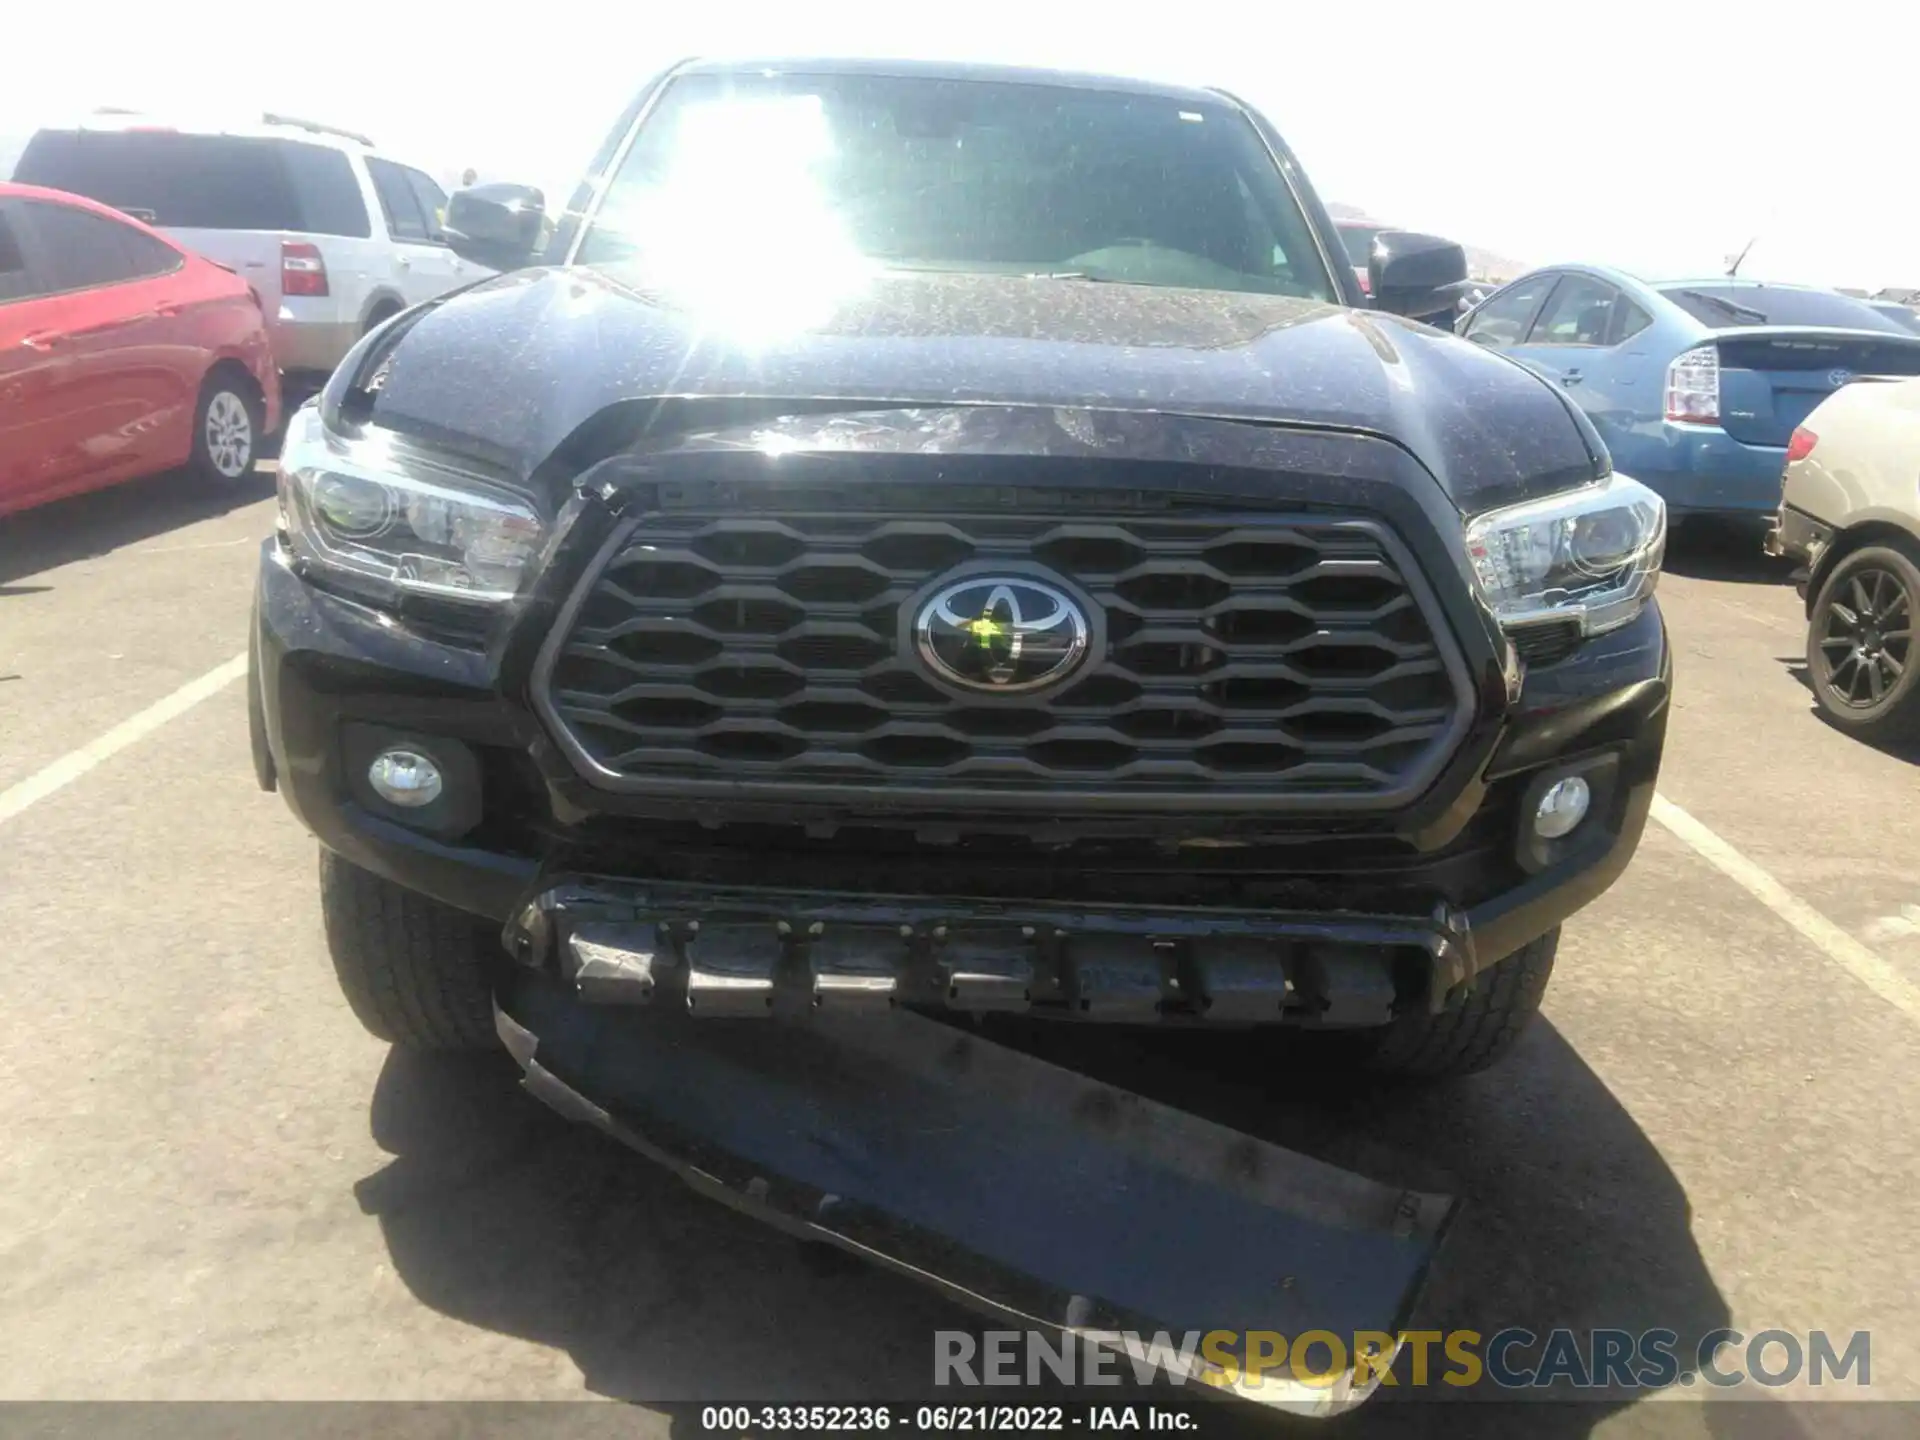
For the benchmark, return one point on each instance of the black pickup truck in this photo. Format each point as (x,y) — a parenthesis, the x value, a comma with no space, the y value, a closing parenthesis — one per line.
(946,540)
(956,537)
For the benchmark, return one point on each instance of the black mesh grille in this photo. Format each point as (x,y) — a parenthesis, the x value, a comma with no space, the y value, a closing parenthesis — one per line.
(1242,653)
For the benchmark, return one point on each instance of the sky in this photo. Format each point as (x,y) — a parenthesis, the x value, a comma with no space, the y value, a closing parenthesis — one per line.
(1659,138)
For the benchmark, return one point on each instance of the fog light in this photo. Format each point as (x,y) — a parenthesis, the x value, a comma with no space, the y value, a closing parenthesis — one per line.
(1562,807)
(411,780)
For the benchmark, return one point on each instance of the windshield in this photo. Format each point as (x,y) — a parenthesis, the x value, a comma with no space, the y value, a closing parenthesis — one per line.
(810,172)
(1359,241)
(202,182)
(1726,306)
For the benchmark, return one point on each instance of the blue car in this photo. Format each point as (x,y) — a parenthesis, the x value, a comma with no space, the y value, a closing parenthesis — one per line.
(1695,385)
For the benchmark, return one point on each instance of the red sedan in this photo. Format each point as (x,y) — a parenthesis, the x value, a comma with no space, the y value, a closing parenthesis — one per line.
(120,354)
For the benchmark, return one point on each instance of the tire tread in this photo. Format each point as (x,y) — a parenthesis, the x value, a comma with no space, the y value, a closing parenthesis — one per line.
(1477,1029)
(414,971)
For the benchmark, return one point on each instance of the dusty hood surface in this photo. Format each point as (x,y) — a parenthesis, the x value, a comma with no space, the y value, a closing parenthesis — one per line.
(510,368)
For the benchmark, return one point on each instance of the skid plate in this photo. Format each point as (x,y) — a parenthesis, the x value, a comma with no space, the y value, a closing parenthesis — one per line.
(1029,1192)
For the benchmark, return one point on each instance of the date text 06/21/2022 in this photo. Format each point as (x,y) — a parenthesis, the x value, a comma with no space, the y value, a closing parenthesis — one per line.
(942,1418)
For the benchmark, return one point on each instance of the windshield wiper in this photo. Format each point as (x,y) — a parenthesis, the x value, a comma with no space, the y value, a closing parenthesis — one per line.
(1726,306)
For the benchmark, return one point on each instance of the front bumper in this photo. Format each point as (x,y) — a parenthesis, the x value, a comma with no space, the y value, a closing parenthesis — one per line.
(1350,953)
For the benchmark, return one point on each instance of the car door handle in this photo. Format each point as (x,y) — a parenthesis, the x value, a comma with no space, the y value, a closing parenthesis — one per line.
(165,312)
(406,262)
(1570,377)
(42,340)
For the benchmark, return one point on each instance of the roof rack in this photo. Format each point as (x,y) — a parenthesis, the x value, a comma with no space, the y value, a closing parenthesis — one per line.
(316,127)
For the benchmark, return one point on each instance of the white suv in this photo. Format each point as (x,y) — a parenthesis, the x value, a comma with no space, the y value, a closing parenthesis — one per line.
(332,236)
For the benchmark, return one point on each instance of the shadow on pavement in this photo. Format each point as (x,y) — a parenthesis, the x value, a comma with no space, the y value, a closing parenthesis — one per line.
(1569,1216)
(1796,668)
(1729,550)
(501,1215)
(99,523)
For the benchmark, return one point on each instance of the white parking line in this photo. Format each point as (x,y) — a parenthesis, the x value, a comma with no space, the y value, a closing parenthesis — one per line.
(1836,944)
(75,763)
(200,545)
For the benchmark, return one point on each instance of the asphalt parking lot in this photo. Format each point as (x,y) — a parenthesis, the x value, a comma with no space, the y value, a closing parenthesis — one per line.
(216,1186)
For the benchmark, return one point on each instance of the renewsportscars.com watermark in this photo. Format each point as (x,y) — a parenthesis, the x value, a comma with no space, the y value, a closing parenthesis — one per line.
(1512,1359)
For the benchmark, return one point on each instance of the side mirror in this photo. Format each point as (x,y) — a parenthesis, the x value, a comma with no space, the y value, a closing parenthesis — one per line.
(1413,274)
(498,226)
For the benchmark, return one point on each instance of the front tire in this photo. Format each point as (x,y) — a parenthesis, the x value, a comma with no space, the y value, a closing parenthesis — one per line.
(1477,1029)
(226,428)
(1860,652)
(416,973)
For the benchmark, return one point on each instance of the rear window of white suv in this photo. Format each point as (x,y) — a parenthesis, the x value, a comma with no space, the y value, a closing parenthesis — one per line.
(203,182)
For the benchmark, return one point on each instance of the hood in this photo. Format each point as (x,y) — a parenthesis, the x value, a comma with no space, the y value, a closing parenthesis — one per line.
(510,368)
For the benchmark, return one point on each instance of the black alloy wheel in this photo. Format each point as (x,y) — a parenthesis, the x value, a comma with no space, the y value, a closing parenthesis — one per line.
(1860,653)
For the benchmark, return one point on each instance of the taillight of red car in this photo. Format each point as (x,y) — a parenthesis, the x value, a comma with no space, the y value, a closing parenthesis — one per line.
(1801,445)
(302,270)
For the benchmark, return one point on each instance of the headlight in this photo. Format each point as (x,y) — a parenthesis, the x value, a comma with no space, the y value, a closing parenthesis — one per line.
(1591,555)
(374,509)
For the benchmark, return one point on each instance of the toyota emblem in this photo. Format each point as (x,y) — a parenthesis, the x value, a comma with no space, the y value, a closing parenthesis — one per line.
(1001,634)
